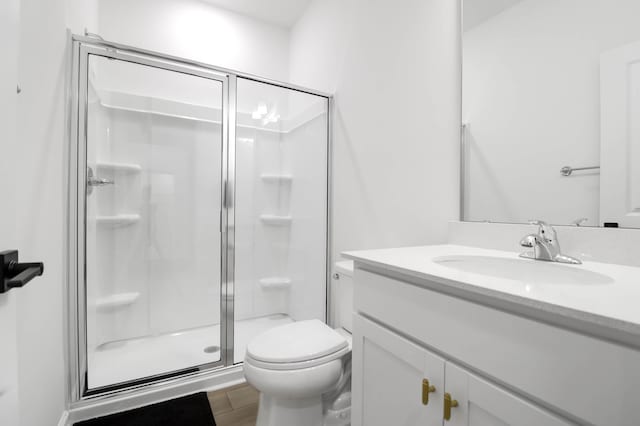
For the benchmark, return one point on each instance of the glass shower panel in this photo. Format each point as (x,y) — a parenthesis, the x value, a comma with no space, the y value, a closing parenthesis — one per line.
(280,209)
(153,208)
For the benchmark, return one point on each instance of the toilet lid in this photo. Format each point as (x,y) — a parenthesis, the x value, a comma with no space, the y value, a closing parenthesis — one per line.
(296,342)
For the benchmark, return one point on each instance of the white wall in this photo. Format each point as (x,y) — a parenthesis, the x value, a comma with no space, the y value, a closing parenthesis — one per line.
(39,167)
(394,71)
(197,30)
(41,199)
(81,15)
(9,19)
(532,101)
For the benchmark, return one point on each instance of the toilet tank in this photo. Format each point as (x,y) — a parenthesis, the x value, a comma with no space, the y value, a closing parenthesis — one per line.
(344,294)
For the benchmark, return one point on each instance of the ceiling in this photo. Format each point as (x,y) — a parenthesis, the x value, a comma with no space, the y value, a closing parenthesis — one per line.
(280,12)
(478,11)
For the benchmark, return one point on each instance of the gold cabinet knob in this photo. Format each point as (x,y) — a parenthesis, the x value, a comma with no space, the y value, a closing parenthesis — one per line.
(448,403)
(426,390)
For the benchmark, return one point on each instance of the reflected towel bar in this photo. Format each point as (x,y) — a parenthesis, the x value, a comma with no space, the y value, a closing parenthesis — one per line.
(567,170)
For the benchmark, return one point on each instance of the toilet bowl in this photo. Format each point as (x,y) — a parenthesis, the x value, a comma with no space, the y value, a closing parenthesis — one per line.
(303,369)
(292,366)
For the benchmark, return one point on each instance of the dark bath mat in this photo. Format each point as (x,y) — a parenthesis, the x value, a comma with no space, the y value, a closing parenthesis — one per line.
(191,410)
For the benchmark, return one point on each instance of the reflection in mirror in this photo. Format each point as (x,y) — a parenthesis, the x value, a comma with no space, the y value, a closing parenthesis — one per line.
(551,111)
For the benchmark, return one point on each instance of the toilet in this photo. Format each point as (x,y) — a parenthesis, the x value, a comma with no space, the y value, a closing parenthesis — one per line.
(303,369)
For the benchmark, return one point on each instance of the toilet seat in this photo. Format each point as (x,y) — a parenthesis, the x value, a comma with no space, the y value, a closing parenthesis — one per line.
(299,345)
(299,364)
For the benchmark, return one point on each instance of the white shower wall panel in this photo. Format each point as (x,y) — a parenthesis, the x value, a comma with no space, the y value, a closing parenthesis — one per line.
(281,172)
(164,255)
(184,254)
(244,230)
(305,157)
(259,248)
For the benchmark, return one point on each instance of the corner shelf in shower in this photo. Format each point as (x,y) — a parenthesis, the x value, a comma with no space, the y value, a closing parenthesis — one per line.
(275,220)
(117,221)
(119,167)
(275,283)
(116,301)
(275,178)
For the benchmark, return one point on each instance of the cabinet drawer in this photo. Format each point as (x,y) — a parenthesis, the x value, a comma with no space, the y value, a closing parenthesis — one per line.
(566,371)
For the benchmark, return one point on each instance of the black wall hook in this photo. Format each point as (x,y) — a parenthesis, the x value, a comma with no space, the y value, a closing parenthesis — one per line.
(14,274)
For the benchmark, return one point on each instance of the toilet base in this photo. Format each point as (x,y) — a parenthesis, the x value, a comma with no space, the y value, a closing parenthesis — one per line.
(290,412)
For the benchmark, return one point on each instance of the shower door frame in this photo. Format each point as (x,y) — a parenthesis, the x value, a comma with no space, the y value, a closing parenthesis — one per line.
(78,199)
(75,271)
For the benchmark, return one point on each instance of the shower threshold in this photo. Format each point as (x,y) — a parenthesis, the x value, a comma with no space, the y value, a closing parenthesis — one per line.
(126,360)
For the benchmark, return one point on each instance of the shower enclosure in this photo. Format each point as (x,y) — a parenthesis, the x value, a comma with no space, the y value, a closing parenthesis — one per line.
(198,214)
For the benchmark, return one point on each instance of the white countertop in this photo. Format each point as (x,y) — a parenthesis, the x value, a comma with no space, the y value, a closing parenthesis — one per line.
(608,308)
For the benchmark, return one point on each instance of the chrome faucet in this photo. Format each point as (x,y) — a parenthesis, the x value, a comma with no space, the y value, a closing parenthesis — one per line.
(545,245)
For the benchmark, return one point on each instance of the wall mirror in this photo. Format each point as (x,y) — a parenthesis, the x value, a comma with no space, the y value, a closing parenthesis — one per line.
(551,112)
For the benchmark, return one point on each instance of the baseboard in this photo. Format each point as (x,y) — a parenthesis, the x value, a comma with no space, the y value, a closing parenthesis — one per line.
(64,419)
(105,405)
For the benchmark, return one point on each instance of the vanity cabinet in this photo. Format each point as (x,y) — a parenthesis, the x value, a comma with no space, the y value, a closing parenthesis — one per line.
(501,367)
(397,382)
(482,403)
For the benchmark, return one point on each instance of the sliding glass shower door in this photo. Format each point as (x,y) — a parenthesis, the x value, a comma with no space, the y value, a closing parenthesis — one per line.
(153,199)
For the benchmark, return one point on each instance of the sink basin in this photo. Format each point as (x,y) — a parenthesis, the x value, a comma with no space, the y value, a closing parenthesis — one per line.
(523,270)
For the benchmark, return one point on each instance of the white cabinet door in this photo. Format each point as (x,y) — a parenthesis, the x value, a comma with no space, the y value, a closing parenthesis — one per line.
(388,379)
(480,403)
(620,136)
(9,163)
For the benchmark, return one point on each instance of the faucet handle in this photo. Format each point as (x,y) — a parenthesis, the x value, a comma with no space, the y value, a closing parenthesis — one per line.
(545,230)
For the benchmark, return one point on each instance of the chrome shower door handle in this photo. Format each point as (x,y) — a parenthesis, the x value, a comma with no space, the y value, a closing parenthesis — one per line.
(100,182)
(95,181)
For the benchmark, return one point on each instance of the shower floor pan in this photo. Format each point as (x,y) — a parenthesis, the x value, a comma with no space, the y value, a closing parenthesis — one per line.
(134,359)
